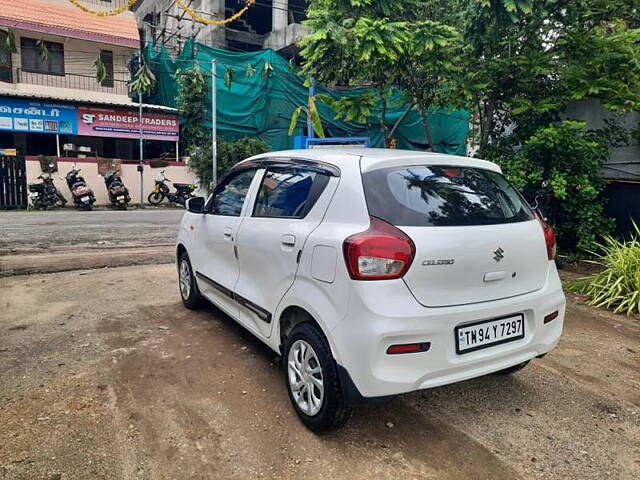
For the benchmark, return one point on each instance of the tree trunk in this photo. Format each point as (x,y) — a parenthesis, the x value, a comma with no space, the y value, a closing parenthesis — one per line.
(383,121)
(425,125)
(487,123)
(392,132)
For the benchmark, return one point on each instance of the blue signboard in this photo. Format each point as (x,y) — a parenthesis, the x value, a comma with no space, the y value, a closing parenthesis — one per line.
(31,115)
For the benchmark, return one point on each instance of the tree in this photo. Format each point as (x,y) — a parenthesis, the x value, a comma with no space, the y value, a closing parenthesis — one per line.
(381,45)
(192,95)
(424,74)
(526,60)
(559,166)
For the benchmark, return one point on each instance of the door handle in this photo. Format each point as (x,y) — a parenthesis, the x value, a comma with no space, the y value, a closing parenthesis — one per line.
(288,240)
(227,232)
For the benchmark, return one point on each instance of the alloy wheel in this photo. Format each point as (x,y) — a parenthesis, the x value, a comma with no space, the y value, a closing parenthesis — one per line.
(305,376)
(185,279)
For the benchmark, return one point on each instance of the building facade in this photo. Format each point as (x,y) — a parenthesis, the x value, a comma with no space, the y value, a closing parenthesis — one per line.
(52,103)
(272,24)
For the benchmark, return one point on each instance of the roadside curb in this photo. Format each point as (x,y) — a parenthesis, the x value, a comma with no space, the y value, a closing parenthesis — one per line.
(82,259)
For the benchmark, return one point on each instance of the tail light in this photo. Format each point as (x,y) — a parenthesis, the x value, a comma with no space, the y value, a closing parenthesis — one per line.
(549,236)
(380,252)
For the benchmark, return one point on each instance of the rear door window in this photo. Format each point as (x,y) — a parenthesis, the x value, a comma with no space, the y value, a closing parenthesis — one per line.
(288,192)
(443,196)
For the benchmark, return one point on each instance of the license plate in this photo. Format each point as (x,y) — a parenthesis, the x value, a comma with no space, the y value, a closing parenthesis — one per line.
(34,194)
(488,333)
(120,197)
(85,199)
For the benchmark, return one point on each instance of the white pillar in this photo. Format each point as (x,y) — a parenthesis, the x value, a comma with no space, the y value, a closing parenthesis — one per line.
(216,32)
(279,15)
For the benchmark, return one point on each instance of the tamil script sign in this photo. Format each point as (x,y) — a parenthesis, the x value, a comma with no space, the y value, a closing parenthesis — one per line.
(24,115)
(124,123)
(28,115)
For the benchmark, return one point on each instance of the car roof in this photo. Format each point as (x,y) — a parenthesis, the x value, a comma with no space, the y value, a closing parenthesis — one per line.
(375,158)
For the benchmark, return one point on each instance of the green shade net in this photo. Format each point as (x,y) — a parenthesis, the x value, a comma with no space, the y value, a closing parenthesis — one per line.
(262,105)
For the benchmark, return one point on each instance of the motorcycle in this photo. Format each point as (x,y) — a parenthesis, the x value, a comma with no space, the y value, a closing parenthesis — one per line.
(82,194)
(118,193)
(45,194)
(183,192)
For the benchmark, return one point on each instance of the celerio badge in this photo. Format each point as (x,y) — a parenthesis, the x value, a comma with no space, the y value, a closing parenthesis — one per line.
(442,261)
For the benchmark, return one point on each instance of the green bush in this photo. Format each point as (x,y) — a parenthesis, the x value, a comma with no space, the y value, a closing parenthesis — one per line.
(618,285)
(230,152)
(560,165)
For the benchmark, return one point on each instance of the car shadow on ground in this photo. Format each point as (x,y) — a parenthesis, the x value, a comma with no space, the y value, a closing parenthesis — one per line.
(394,428)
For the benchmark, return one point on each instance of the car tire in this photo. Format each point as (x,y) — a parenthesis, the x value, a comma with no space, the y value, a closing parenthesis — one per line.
(510,370)
(191,296)
(332,412)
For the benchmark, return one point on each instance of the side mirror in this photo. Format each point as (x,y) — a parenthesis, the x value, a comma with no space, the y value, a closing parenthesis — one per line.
(195,205)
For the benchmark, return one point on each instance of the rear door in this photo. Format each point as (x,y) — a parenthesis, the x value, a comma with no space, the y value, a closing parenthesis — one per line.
(476,239)
(290,203)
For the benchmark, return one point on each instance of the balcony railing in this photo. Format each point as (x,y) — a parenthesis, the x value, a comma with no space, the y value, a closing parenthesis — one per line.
(117,85)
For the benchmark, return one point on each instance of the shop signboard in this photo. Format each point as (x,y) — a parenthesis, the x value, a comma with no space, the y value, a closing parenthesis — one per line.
(124,123)
(26,115)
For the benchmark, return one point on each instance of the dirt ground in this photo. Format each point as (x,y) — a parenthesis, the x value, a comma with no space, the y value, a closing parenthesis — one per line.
(104,375)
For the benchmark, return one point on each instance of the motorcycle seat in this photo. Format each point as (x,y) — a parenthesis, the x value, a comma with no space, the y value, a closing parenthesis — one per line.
(182,185)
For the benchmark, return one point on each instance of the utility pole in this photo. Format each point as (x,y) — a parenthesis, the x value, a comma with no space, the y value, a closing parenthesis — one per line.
(214,145)
(141,164)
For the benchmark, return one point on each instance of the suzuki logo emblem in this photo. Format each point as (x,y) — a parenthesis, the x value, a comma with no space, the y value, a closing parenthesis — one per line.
(498,254)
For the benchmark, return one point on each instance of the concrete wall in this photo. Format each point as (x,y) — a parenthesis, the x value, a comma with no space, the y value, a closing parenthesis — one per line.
(130,176)
(624,162)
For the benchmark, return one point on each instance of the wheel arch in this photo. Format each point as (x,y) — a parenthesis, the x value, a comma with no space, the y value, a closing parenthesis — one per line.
(292,316)
(180,249)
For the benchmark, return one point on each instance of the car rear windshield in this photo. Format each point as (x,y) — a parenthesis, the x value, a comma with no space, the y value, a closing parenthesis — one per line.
(442,196)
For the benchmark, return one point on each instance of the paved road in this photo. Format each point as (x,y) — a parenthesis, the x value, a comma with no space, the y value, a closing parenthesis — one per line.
(104,374)
(60,229)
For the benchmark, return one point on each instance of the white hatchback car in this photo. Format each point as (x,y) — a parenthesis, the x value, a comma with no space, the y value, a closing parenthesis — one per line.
(374,272)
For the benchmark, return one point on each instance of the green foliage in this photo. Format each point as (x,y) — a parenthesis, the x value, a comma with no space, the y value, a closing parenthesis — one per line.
(101,70)
(229,75)
(352,109)
(294,119)
(8,42)
(559,166)
(229,152)
(384,45)
(618,285)
(192,95)
(250,70)
(525,61)
(311,109)
(43,51)
(144,80)
(267,70)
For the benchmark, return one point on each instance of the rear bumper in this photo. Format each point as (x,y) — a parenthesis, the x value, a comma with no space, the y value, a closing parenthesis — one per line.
(385,313)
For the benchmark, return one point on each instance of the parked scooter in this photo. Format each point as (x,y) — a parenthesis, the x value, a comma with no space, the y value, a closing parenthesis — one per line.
(45,194)
(82,194)
(118,193)
(161,190)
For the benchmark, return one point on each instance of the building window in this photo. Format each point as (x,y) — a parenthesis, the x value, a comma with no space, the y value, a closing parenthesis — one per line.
(107,59)
(33,62)
(5,60)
